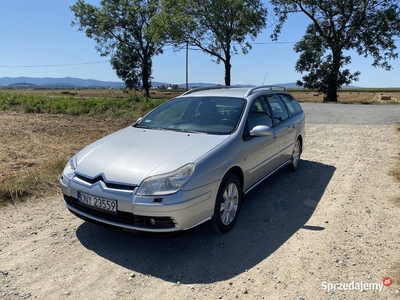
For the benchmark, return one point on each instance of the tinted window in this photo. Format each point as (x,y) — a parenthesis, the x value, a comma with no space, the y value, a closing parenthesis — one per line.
(291,104)
(278,108)
(259,114)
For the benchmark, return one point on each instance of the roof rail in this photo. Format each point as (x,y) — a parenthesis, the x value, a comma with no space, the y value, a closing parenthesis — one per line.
(265,87)
(205,88)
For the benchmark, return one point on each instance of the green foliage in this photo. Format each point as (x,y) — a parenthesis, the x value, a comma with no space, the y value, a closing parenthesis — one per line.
(369,27)
(126,64)
(120,29)
(322,69)
(212,26)
(131,107)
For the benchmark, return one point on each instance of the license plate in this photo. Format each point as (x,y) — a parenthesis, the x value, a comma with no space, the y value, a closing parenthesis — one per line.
(98,202)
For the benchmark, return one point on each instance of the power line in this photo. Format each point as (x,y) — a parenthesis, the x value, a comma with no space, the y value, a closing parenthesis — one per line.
(106,61)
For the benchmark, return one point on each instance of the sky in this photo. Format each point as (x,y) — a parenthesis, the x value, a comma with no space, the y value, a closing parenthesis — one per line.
(37,40)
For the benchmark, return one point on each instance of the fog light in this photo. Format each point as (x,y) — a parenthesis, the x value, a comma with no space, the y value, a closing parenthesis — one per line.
(150,222)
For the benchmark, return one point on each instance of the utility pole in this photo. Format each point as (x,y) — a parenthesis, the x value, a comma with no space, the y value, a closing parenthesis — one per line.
(187,65)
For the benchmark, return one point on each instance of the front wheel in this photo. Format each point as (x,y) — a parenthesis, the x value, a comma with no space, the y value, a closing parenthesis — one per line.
(227,204)
(296,155)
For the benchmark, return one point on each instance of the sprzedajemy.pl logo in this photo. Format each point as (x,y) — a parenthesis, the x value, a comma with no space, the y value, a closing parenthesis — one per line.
(356,286)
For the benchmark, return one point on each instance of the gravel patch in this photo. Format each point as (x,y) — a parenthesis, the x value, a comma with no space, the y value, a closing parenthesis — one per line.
(332,221)
(329,113)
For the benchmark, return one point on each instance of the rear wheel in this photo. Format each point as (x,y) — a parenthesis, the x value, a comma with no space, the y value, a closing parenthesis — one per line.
(227,204)
(296,155)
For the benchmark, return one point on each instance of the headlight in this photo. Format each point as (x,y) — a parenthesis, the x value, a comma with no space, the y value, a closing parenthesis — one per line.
(167,183)
(69,170)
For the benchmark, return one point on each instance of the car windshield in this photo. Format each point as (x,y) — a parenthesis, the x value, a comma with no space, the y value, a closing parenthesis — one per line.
(211,115)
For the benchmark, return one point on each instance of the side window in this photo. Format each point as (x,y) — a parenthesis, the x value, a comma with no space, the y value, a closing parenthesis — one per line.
(259,114)
(291,104)
(278,108)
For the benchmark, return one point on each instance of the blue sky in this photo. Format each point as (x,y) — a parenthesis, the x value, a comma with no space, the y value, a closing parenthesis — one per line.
(38,33)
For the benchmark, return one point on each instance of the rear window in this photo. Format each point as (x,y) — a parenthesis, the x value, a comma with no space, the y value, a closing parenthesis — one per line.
(291,104)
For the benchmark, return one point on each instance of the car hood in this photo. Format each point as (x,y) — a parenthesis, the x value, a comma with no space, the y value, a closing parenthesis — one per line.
(132,154)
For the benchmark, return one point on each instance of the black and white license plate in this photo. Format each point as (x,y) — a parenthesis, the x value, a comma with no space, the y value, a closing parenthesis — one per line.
(98,202)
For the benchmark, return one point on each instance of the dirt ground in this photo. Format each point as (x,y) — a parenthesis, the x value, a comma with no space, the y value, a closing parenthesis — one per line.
(328,231)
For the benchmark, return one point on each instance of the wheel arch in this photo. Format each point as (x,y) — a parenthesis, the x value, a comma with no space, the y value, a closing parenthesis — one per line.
(238,172)
(300,138)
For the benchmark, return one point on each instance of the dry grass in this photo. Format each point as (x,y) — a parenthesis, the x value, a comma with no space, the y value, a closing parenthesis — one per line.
(351,97)
(100,93)
(348,96)
(35,148)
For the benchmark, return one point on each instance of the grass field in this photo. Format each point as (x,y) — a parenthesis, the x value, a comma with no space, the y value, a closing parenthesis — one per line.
(94,103)
(357,95)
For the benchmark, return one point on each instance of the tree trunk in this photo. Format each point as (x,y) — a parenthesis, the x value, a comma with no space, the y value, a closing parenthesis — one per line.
(228,66)
(146,86)
(146,72)
(331,94)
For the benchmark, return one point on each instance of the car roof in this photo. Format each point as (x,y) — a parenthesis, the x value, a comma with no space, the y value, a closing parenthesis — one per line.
(228,91)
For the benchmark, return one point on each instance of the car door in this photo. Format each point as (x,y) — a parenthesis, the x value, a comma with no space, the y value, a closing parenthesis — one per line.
(284,132)
(260,153)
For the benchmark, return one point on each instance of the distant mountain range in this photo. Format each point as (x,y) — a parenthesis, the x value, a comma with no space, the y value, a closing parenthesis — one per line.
(49,82)
(71,82)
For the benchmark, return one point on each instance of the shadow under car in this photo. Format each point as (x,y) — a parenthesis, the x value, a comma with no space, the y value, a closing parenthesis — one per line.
(271,214)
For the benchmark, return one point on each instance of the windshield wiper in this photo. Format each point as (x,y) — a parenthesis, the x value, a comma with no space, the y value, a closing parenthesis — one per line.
(190,131)
(148,127)
(172,129)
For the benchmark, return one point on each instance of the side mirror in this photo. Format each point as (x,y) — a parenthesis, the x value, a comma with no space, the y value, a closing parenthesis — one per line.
(137,121)
(261,130)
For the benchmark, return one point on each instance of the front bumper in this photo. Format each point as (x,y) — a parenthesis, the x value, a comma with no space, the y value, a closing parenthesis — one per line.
(180,211)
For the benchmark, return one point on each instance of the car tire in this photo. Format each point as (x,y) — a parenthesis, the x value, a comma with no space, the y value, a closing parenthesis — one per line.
(295,160)
(227,204)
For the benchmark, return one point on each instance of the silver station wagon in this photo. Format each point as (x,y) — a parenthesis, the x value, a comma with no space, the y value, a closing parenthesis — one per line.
(190,160)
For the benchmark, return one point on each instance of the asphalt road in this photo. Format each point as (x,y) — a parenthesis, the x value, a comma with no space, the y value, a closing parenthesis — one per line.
(330,113)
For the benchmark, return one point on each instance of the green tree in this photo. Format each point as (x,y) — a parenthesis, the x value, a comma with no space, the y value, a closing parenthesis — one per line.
(366,26)
(126,64)
(212,26)
(120,29)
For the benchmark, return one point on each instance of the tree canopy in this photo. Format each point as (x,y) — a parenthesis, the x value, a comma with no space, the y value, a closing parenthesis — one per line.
(120,29)
(366,26)
(216,27)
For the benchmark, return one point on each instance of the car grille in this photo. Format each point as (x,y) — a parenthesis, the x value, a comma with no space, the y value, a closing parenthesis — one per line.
(122,217)
(107,184)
